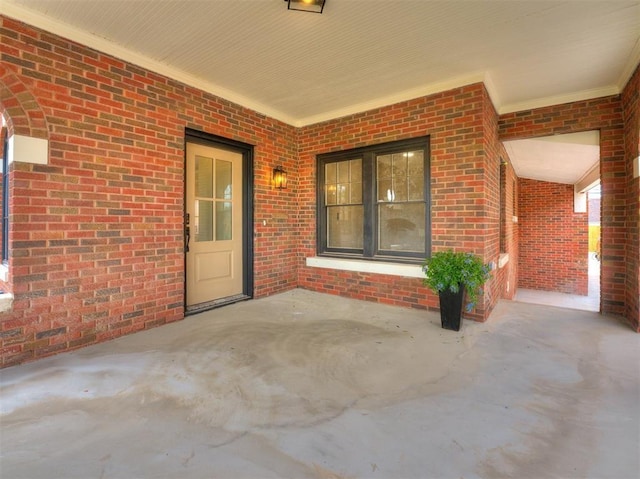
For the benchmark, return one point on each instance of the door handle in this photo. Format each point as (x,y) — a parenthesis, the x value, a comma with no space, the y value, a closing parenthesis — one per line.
(187,238)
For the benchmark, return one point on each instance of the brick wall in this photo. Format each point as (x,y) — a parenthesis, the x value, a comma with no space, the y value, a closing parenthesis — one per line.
(96,239)
(464,212)
(553,239)
(631,105)
(96,234)
(604,114)
(489,216)
(507,276)
(501,189)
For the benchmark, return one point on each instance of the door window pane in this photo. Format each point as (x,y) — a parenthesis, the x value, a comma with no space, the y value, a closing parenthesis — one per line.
(204,220)
(204,177)
(223,180)
(224,217)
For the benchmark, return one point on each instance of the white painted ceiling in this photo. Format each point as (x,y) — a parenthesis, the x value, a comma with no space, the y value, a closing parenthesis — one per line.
(559,159)
(359,54)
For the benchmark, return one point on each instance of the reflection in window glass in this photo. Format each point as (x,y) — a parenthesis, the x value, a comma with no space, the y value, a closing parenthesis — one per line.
(400,177)
(223,180)
(401,226)
(401,223)
(345,227)
(343,193)
(223,221)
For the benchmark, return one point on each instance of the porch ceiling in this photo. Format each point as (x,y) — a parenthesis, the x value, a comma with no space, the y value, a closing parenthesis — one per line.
(359,54)
(559,159)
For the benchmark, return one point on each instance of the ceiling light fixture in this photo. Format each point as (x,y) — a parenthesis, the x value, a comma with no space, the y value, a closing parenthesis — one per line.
(313,6)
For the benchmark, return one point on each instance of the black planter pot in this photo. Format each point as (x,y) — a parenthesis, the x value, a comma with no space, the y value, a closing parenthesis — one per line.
(451,308)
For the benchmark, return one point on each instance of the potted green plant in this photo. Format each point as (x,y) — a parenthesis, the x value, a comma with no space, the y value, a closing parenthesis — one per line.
(450,274)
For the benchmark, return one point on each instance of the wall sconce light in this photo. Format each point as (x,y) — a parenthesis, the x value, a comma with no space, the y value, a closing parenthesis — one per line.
(279,178)
(313,6)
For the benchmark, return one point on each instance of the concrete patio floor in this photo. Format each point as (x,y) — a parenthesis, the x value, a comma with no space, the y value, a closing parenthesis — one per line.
(304,385)
(591,302)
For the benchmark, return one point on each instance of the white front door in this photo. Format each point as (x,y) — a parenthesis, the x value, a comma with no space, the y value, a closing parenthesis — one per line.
(214,224)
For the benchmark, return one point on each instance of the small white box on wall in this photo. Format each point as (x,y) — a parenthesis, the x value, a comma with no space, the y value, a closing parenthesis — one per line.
(27,149)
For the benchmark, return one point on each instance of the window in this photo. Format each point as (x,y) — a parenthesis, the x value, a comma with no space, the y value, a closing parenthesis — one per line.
(4,196)
(373,202)
(503,206)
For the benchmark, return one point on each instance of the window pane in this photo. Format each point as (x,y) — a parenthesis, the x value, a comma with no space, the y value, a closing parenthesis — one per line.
(401,227)
(416,188)
(204,220)
(343,182)
(223,220)
(204,177)
(343,172)
(356,171)
(345,227)
(343,194)
(384,166)
(223,179)
(385,190)
(416,175)
(415,162)
(400,188)
(400,165)
(331,195)
(330,173)
(356,192)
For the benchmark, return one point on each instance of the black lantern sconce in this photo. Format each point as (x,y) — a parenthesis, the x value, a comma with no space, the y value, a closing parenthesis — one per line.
(313,6)
(279,178)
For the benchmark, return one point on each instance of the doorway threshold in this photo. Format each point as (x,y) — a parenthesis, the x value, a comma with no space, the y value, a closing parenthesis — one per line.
(216,303)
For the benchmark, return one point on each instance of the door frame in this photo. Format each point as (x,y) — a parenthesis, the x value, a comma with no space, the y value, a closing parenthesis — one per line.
(246,150)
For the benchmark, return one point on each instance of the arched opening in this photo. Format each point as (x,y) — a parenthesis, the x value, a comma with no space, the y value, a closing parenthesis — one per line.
(25,139)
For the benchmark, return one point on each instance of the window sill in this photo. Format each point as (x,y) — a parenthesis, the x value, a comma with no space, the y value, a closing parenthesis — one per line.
(6,302)
(376,267)
(6,299)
